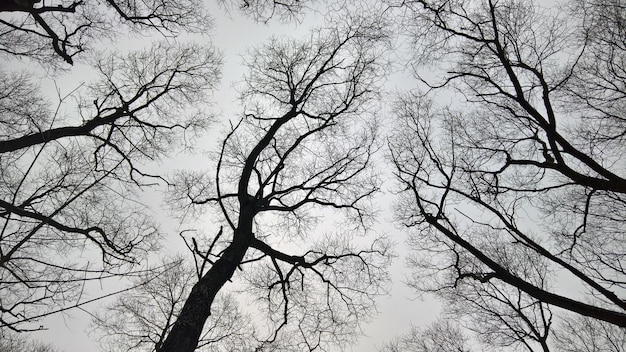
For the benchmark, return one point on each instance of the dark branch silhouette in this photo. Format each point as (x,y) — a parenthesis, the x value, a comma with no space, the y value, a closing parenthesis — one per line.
(304,144)
(529,167)
(67,188)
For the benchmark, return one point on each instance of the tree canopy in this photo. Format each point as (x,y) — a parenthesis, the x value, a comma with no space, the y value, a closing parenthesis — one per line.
(492,129)
(520,181)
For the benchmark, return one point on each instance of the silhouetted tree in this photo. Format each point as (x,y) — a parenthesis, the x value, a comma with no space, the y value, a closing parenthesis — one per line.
(437,337)
(71,174)
(12,342)
(265,10)
(524,177)
(301,153)
(139,320)
(47,30)
(584,334)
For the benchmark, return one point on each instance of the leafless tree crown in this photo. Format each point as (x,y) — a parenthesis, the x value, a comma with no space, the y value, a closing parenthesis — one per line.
(71,173)
(521,181)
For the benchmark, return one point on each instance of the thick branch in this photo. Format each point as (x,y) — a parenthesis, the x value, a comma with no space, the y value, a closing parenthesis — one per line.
(503,274)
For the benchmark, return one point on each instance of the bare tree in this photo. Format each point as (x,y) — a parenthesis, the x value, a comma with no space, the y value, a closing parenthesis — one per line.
(500,316)
(12,342)
(47,30)
(139,320)
(525,176)
(71,176)
(266,10)
(302,151)
(440,336)
(584,334)
(496,314)
(52,29)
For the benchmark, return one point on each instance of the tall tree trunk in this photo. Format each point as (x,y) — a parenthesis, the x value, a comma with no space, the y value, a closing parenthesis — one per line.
(186,332)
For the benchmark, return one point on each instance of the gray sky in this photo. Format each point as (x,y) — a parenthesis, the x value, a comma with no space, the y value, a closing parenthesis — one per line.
(234,35)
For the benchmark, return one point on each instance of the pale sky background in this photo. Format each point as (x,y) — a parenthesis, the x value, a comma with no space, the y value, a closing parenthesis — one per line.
(233,36)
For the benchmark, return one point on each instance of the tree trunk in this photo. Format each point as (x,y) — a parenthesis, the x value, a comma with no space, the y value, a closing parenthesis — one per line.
(186,332)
